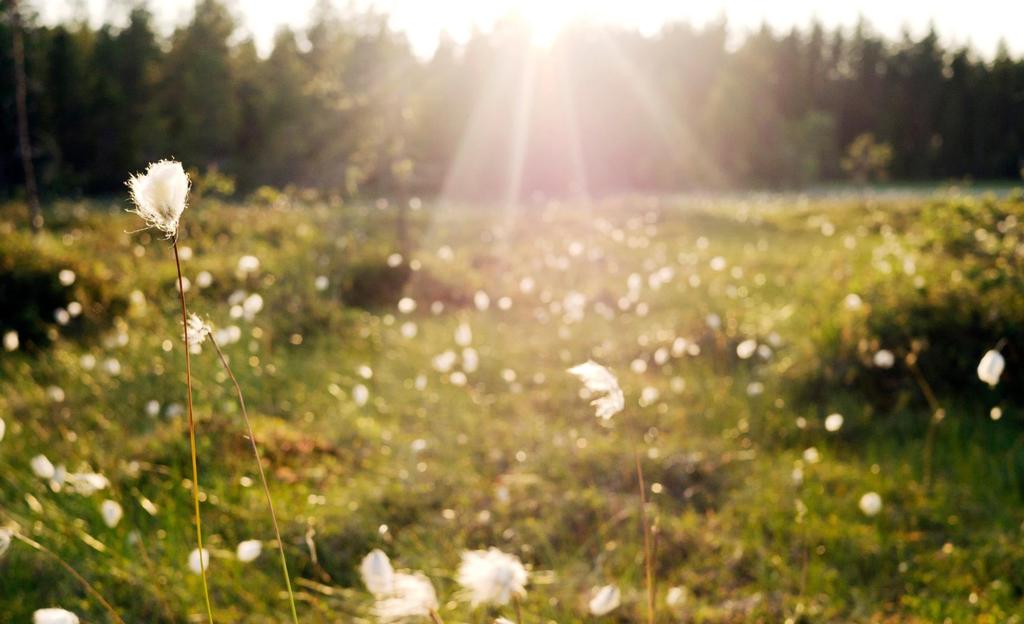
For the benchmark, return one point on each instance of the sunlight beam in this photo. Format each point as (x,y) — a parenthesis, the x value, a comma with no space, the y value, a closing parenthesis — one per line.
(520,130)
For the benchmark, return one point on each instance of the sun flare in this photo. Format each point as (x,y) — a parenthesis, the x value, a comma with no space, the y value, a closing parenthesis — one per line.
(546,19)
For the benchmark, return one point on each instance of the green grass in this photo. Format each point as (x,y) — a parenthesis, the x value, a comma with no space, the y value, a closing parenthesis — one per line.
(520,462)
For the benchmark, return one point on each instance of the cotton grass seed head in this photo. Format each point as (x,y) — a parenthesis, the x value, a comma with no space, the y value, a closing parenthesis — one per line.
(377,573)
(199,560)
(599,380)
(42,467)
(884,358)
(160,195)
(491,576)
(112,512)
(411,596)
(54,616)
(198,330)
(605,600)
(5,540)
(870,504)
(991,366)
(675,596)
(249,550)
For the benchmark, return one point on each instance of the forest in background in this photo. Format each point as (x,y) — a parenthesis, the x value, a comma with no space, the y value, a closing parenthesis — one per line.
(346,106)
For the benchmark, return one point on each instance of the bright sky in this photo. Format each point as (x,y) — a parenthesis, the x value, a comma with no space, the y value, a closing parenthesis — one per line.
(980,22)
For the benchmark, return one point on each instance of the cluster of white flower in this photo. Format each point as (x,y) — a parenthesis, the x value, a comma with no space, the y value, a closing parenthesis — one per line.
(398,595)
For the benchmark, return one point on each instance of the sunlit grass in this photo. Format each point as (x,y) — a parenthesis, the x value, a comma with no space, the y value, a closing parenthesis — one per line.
(426,463)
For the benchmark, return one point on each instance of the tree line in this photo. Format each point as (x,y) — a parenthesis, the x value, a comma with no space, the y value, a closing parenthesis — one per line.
(347,106)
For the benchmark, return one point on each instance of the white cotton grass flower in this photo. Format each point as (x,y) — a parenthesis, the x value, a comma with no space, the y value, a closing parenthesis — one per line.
(204,279)
(481,300)
(605,600)
(377,573)
(870,504)
(228,335)
(11,341)
(463,335)
(443,362)
(833,422)
(853,301)
(249,550)
(599,380)
(112,512)
(3,429)
(991,366)
(197,562)
(676,597)
(746,349)
(501,620)
(42,467)
(55,394)
(884,358)
(360,395)
(86,483)
(66,277)
(248,264)
(160,195)
(5,540)
(491,576)
(406,305)
(251,306)
(470,360)
(54,615)
(412,595)
(198,330)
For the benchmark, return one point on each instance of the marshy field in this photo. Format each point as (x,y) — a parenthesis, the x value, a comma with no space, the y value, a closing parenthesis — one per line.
(800,377)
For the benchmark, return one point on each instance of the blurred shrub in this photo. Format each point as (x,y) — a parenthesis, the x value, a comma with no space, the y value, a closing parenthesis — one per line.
(867,160)
(375,284)
(34,297)
(962,299)
(267,196)
(211,183)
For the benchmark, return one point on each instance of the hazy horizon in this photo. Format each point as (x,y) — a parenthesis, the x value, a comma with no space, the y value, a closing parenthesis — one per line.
(956,23)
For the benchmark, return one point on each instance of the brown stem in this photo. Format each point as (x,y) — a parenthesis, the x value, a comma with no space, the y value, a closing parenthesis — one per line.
(515,605)
(81,579)
(435,617)
(937,416)
(192,433)
(263,477)
(648,564)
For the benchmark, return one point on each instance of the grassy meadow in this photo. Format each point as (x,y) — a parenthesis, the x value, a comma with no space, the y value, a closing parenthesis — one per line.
(405,370)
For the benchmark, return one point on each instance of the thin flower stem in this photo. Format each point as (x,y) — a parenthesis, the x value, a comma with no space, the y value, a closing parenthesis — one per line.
(192,433)
(263,476)
(81,579)
(933,423)
(435,617)
(648,564)
(519,612)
